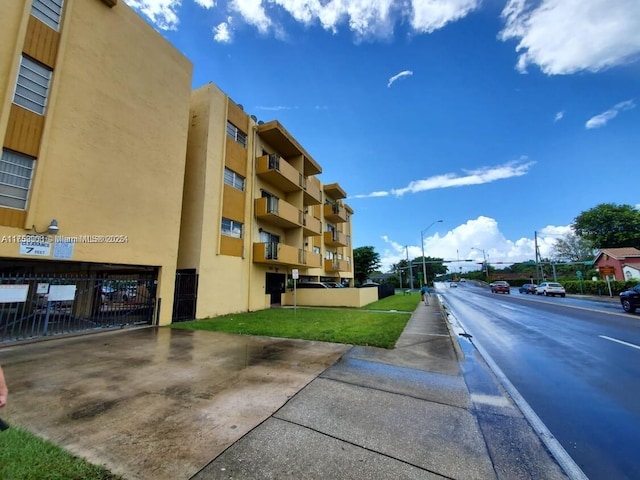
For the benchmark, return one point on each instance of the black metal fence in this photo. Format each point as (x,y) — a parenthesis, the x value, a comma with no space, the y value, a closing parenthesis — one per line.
(33,305)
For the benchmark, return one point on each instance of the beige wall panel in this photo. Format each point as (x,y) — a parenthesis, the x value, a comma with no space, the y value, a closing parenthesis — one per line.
(237,116)
(11,217)
(332,297)
(236,156)
(230,246)
(233,204)
(222,289)
(24,131)
(113,151)
(41,42)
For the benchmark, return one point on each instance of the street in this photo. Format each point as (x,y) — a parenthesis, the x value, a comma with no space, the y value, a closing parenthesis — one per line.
(576,363)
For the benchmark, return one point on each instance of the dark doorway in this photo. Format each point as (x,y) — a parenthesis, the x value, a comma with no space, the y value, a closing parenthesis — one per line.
(185,295)
(275,284)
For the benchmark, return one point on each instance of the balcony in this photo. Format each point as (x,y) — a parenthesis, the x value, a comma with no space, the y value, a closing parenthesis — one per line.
(283,142)
(335,239)
(278,172)
(313,260)
(334,191)
(312,191)
(336,266)
(273,253)
(278,212)
(311,225)
(335,213)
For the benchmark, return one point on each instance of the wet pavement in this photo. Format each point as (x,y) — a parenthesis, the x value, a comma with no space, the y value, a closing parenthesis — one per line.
(155,403)
(172,404)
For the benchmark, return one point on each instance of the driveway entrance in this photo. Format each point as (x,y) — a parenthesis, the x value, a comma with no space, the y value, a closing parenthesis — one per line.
(155,403)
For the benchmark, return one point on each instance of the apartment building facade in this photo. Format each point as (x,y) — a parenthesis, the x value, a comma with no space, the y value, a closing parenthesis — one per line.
(255,215)
(94,114)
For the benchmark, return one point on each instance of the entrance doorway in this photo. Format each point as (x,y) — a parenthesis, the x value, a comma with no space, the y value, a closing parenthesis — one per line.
(275,286)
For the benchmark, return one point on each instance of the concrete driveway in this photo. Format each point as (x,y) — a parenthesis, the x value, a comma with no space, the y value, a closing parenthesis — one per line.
(155,403)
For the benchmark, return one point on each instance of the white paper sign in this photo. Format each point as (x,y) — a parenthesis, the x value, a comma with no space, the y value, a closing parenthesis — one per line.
(13,293)
(61,293)
(35,246)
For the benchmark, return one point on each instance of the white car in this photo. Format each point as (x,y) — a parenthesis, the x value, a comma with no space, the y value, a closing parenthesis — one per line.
(550,289)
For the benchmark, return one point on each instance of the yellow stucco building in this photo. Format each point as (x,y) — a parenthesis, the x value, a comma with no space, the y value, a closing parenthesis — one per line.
(94,115)
(127,197)
(255,212)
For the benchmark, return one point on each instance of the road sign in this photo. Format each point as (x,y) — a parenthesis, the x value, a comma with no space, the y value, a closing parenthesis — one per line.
(607,270)
(294,274)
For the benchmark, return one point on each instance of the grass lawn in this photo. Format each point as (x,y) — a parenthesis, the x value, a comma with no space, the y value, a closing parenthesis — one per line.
(24,456)
(378,324)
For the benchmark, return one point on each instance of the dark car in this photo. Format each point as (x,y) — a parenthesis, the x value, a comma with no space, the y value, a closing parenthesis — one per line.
(312,285)
(630,299)
(500,287)
(369,284)
(528,288)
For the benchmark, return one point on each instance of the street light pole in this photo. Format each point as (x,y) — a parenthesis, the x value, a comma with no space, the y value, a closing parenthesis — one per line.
(424,263)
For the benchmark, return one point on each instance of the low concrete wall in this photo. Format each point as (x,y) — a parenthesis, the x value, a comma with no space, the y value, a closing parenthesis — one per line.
(331,297)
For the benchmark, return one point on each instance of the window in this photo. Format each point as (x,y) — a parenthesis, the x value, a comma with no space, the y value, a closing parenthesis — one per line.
(231,228)
(15,179)
(233,179)
(32,85)
(236,134)
(48,11)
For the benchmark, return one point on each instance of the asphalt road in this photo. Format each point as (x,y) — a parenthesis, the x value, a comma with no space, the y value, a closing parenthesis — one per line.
(576,362)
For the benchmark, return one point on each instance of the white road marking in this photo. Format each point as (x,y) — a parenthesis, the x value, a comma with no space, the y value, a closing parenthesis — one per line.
(620,341)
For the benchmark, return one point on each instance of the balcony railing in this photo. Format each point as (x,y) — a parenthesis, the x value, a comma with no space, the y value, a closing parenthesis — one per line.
(337,265)
(274,253)
(312,191)
(312,226)
(278,172)
(335,213)
(278,212)
(335,239)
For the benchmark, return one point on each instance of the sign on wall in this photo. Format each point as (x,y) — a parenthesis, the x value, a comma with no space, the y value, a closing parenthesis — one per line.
(13,293)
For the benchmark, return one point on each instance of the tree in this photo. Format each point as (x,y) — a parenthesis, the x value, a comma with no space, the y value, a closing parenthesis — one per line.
(572,248)
(365,261)
(609,225)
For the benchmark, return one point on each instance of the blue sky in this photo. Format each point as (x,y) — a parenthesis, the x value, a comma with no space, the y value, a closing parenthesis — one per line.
(505,119)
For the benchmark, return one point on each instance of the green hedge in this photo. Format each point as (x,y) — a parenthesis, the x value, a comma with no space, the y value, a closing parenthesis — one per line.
(586,287)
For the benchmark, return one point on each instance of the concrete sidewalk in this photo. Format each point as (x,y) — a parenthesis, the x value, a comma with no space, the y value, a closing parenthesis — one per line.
(425,410)
(162,404)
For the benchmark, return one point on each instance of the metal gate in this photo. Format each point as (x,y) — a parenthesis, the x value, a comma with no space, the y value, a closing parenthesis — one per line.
(185,295)
(42,305)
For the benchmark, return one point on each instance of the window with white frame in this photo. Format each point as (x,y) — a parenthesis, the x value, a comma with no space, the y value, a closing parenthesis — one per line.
(236,134)
(48,11)
(233,179)
(32,86)
(16,171)
(231,228)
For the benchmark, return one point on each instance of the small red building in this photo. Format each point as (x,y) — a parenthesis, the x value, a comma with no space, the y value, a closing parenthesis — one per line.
(618,259)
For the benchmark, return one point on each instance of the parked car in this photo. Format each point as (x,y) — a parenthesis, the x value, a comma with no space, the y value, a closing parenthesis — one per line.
(500,287)
(550,289)
(333,284)
(528,288)
(312,285)
(369,284)
(630,299)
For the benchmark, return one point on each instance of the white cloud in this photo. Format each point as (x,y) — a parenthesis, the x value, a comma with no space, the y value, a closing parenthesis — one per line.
(559,116)
(163,13)
(404,73)
(461,242)
(567,36)
(222,33)
(434,14)
(206,3)
(252,12)
(603,118)
(448,180)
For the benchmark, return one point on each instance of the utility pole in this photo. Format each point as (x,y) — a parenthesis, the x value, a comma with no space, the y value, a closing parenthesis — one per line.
(410,269)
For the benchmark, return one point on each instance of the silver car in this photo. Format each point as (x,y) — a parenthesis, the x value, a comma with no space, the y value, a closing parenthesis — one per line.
(549,289)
